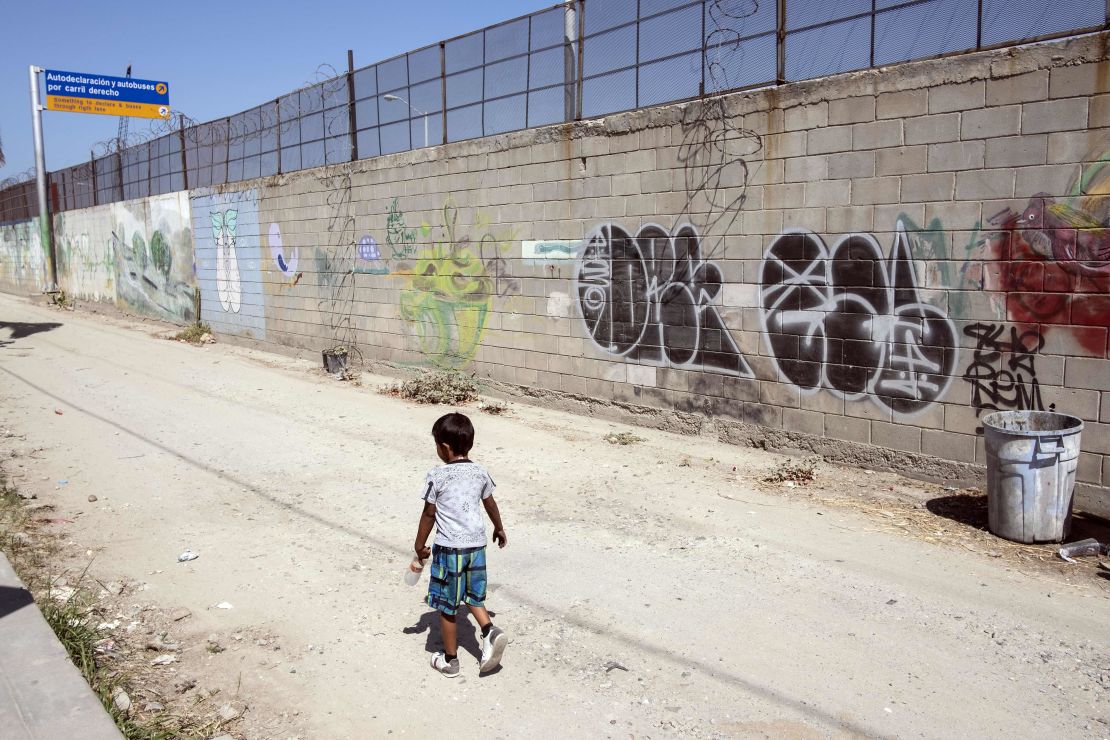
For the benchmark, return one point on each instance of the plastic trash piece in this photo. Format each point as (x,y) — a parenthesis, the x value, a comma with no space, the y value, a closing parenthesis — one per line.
(413,571)
(187,556)
(224,605)
(1089,546)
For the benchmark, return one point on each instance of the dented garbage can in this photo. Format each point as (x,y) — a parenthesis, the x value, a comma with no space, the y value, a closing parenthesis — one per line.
(1031,461)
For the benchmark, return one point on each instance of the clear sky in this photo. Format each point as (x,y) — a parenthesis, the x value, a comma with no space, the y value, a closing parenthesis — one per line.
(219,57)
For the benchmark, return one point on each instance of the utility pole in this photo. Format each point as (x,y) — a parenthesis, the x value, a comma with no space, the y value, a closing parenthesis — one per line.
(121,131)
(46,230)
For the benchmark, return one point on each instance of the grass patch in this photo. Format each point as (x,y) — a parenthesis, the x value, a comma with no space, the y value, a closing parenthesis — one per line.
(623,438)
(198,333)
(73,621)
(445,386)
(793,472)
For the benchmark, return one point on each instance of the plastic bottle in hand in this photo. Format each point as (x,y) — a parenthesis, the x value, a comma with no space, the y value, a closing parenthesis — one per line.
(413,571)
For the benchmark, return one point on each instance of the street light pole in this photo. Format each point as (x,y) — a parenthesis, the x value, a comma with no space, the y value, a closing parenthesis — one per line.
(391,98)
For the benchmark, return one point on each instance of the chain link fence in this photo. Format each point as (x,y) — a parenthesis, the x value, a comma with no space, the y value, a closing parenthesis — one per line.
(581,59)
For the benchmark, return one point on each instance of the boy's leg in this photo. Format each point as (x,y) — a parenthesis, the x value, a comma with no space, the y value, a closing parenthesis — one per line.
(449,631)
(480,615)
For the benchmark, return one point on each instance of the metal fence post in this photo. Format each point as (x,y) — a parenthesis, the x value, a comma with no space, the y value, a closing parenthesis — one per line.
(581,56)
(443,87)
(705,51)
(277,126)
(95,189)
(872,60)
(184,159)
(227,149)
(571,42)
(119,172)
(780,44)
(351,105)
(979,25)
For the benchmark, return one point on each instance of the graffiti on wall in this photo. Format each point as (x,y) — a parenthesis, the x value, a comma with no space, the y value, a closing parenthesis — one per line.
(22,261)
(86,262)
(369,260)
(399,237)
(650,298)
(1048,259)
(1002,372)
(851,321)
(450,290)
(493,246)
(228,262)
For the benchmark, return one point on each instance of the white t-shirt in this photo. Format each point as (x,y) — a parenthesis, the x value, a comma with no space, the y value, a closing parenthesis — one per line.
(457,490)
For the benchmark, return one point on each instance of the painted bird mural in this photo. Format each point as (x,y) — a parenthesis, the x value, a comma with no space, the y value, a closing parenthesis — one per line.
(1074,233)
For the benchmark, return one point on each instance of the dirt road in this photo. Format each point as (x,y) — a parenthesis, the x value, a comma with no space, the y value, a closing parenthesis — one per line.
(651,590)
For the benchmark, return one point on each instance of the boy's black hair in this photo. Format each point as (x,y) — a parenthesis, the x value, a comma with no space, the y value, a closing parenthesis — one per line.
(456,431)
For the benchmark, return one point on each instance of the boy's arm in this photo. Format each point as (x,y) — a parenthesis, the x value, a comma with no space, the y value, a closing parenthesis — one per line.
(499,535)
(427,521)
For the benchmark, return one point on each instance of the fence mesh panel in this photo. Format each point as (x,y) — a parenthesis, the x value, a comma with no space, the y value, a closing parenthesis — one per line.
(583,58)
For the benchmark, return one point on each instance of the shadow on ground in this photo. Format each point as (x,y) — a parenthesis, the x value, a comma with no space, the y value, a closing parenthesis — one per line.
(468,635)
(13,599)
(972,511)
(21,330)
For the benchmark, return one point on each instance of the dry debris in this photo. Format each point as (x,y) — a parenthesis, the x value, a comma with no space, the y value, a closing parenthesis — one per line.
(446,387)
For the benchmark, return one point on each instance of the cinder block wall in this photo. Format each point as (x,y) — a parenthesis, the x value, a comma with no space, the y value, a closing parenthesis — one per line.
(860,266)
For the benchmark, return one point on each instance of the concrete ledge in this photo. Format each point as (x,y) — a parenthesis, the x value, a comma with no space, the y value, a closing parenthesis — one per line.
(42,694)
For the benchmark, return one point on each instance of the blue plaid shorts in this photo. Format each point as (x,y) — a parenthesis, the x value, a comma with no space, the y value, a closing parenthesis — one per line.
(458,576)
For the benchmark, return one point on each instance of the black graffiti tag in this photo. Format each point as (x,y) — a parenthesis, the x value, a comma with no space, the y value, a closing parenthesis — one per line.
(649,298)
(1003,374)
(852,322)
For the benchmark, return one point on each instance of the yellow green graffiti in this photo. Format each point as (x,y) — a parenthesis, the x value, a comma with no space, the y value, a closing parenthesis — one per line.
(448,295)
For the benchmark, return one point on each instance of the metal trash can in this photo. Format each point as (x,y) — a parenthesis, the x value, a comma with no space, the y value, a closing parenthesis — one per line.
(1031,462)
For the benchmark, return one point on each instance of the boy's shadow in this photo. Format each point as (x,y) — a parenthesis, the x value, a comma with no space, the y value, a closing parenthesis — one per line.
(467,632)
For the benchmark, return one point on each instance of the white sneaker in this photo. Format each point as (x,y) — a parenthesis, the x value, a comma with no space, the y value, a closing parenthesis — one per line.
(447,668)
(493,646)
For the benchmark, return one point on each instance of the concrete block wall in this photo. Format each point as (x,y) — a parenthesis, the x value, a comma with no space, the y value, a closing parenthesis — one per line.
(862,265)
(22,260)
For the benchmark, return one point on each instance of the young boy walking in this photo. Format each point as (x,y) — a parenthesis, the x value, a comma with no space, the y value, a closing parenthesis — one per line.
(451,495)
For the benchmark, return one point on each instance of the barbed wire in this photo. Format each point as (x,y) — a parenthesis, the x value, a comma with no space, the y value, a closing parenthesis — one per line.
(18,178)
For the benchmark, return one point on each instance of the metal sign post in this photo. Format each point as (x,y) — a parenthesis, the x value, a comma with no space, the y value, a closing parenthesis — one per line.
(82,92)
(46,230)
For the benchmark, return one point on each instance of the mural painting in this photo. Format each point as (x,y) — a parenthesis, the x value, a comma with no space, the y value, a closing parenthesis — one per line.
(285,259)
(850,321)
(22,261)
(650,299)
(449,290)
(152,243)
(228,262)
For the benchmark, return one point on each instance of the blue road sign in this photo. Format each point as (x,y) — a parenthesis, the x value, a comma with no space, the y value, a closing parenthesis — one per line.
(82,92)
